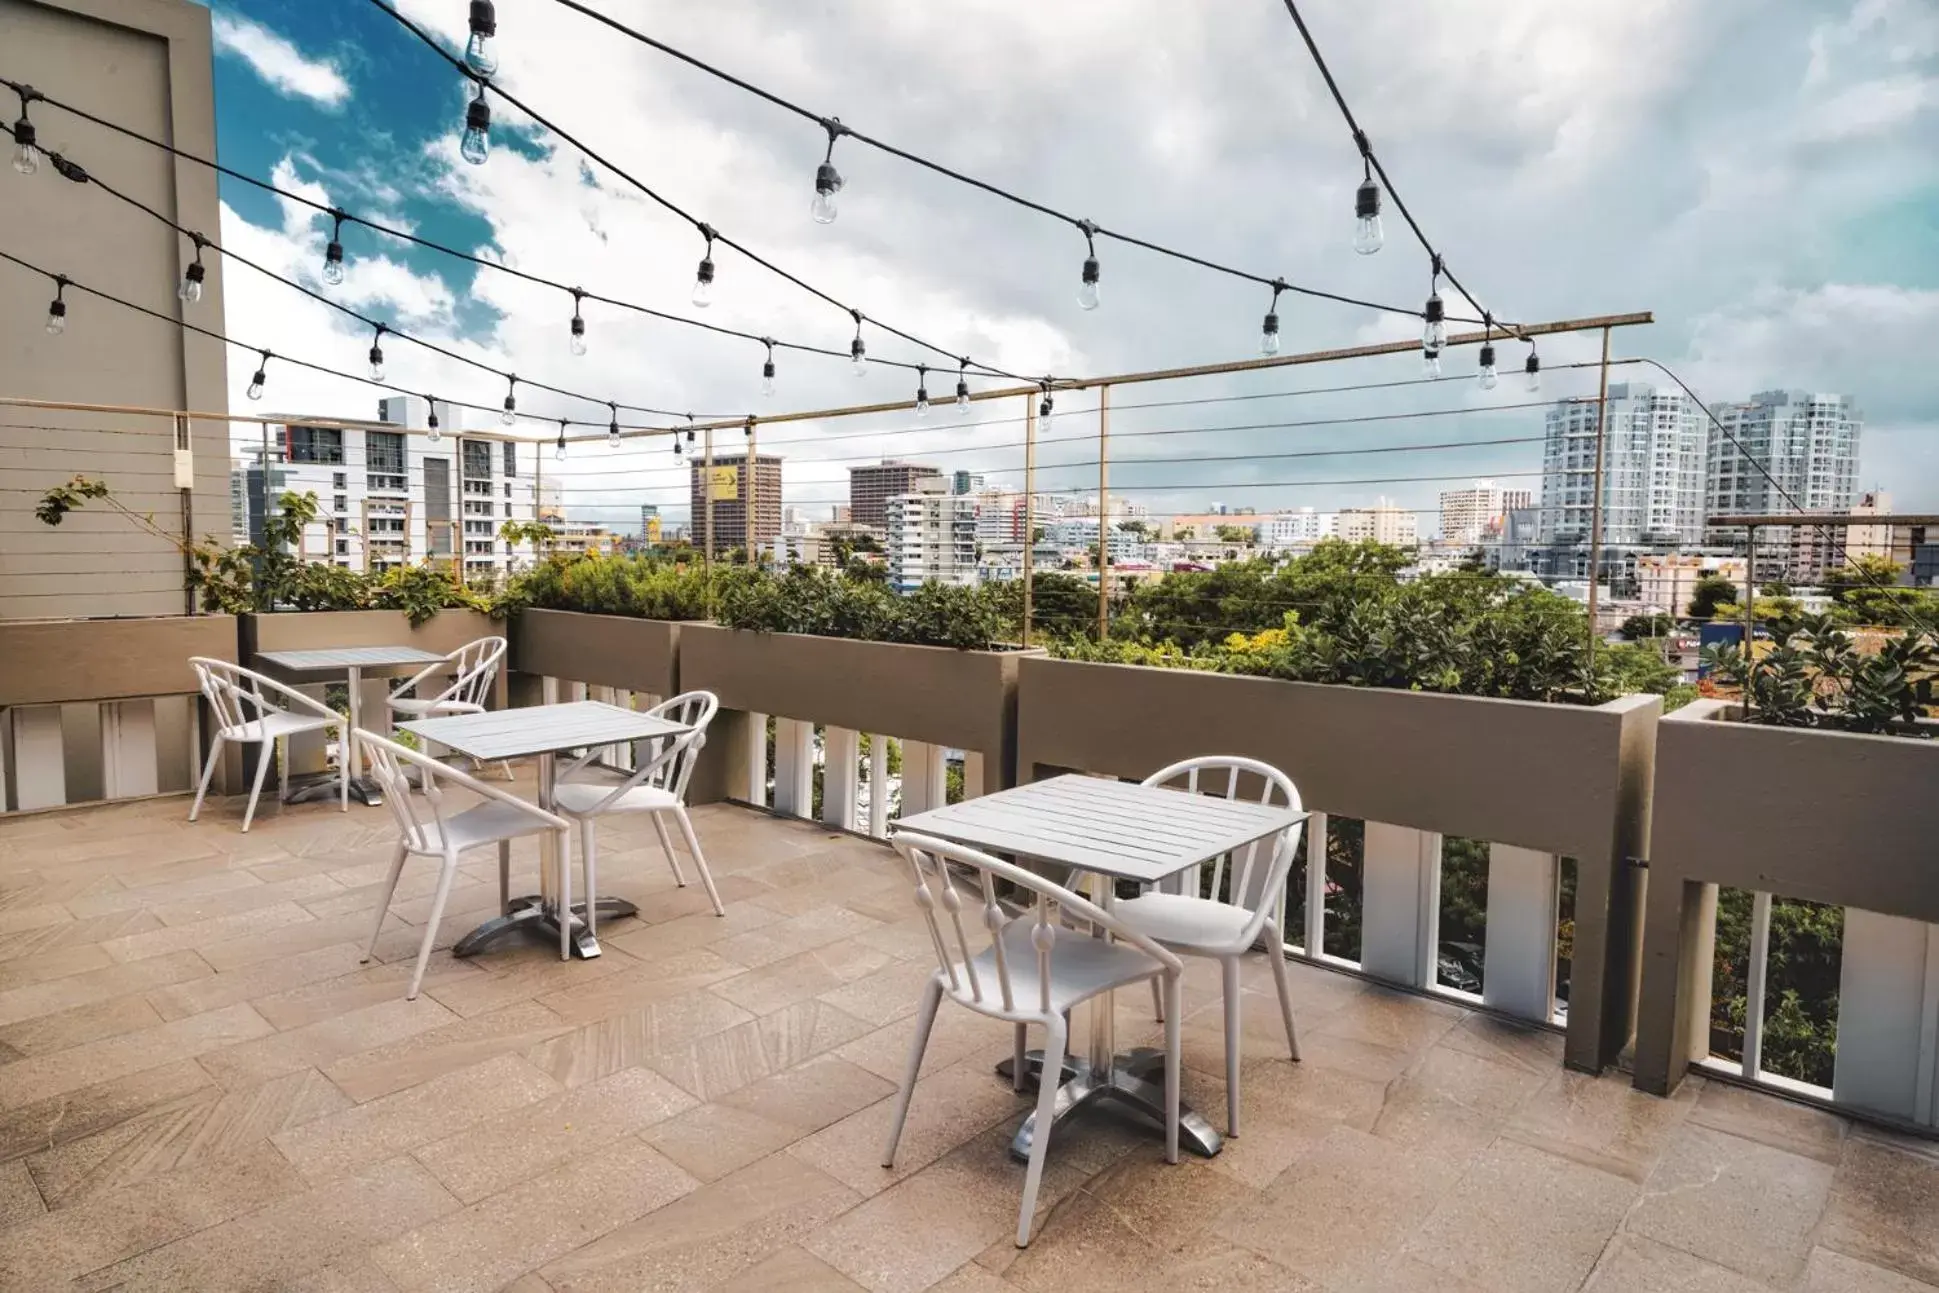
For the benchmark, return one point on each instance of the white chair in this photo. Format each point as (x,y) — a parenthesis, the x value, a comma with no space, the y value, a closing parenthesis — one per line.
(472,668)
(585,791)
(1030,969)
(250,707)
(1244,903)
(428,830)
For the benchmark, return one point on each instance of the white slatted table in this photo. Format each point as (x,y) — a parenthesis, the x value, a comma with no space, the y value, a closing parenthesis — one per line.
(1112,830)
(545,731)
(350,662)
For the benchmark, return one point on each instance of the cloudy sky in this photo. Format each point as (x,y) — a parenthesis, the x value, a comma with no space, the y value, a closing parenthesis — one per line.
(1758,173)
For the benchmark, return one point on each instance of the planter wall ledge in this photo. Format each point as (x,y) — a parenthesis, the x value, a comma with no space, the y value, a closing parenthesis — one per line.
(602,650)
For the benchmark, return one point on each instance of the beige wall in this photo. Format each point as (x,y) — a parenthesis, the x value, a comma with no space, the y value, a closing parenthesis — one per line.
(145,64)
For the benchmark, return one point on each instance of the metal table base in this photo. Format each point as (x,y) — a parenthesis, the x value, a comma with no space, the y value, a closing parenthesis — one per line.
(1135,1084)
(324,786)
(533,915)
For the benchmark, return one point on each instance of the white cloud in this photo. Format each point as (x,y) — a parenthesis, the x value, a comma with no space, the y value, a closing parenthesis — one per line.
(280,63)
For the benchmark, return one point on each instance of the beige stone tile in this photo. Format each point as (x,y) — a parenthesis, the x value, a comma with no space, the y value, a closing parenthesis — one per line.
(355,1274)
(19,1198)
(260,980)
(1526,1046)
(1633,1263)
(366,985)
(274,1246)
(1734,1202)
(302,936)
(795,934)
(714,1064)
(114,894)
(1771,1121)
(95,930)
(78,1025)
(678,975)
(1405,1275)
(1522,1218)
(493,1241)
(452,1045)
(885,995)
(498,1152)
(1883,1203)
(238,899)
(709,1235)
(796,978)
(957,1035)
(702,929)
(18,917)
(205,935)
(369,1133)
(950,1108)
(1603,1121)
(1452,1102)
(203,1128)
(25,1081)
(619,1041)
(790,1270)
(1833,1272)
(322,1043)
(1385,1017)
(119,1224)
(56,1120)
(33,1001)
(55,962)
(711,1140)
(521,972)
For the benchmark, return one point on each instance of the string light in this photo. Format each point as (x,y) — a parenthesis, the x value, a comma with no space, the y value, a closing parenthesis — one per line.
(333,254)
(1269,330)
(436,435)
(828,180)
(1367,236)
(922,391)
(510,415)
(191,290)
(1534,370)
(480,57)
(377,354)
(1489,378)
(576,338)
(255,391)
(26,151)
(857,351)
(1043,408)
(612,428)
(559,451)
(57,308)
(1087,280)
(476,144)
(1434,328)
(703,283)
(962,387)
(767,369)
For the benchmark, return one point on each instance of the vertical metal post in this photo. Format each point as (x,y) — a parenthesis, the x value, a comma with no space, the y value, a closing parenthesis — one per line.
(707,499)
(750,502)
(1029,505)
(1750,594)
(1103,513)
(1595,501)
(184,440)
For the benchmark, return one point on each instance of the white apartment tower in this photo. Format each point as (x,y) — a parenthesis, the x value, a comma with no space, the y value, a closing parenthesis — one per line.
(1469,517)
(1654,461)
(1382,523)
(930,535)
(1808,445)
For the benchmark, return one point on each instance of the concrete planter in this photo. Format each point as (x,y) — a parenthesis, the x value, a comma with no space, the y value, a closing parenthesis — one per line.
(48,662)
(1829,817)
(603,650)
(1555,779)
(303,630)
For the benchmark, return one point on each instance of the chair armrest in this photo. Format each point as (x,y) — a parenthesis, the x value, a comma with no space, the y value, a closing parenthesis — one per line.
(415,679)
(487,790)
(308,704)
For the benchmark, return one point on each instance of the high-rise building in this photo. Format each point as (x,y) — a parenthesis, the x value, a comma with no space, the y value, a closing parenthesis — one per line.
(1654,457)
(1472,516)
(1298,529)
(931,535)
(967,482)
(1807,448)
(1381,523)
(746,504)
(871,487)
(650,522)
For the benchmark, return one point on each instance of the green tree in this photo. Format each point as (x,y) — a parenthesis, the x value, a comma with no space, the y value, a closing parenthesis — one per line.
(1233,533)
(1640,627)
(1711,592)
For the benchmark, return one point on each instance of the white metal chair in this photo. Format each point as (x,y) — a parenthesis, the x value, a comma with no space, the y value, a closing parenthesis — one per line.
(1027,969)
(584,790)
(472,668)
(1246,891)
(428,830)
(250,707)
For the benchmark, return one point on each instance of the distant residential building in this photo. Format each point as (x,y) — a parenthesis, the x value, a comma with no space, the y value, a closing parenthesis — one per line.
(930,536)
(1521,527)
(746,505)
(1805,444)
(967,482)
(1470,517)
(1381,523)
(1666,582)
(1653,463)
(871,487)
(579,536)
(1079,533)
(650,522)
(1298,529)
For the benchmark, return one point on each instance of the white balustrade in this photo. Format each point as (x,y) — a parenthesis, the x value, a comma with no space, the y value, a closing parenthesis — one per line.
(52,756)
(842,749)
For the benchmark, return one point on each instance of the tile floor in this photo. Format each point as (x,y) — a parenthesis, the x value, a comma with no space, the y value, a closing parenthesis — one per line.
(202,1089)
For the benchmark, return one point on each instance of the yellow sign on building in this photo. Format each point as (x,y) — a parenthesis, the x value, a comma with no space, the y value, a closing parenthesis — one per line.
(725,484)
(652,529)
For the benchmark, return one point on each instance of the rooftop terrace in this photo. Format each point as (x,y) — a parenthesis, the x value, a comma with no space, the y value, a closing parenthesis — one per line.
(201,1088)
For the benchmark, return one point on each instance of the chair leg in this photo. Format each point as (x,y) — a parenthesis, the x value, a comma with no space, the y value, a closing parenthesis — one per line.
(255,791)
(1234,1003)
(1282,984)
(565,895)
(343,768)
(283,770)
(699,859)
(1019,1057)
(504,877)
(1157,1002)
(208,774)
(447,871)
(666,842)
(505,767)
(589,858)
(383,903)
(1174,1044)
(1040,1141)
(932,995)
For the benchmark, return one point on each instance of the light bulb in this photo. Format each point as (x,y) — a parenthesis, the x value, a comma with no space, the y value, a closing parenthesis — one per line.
(436,435)
(255,391)
(1043,414)
(1534,370)
(1434,331)
(56,317)
(1489,378)
(962,398)
(828,182)
(1269,335)
(676,446)
(1367,236)
(576,341)
(333,263)
(376,364)
(612,435)
(480,57)
(476,144)
(1430,362)
(510,416)
(559,453)
(191,290)
(922,402)
(858,357)
(1087,285)
(26,157)
(703,284)
(767,378)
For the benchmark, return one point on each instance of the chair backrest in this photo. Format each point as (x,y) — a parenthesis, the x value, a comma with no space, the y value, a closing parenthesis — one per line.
(474,668)
(241,697)
(422,823)
(1252,877)
(695,709)
(960,940)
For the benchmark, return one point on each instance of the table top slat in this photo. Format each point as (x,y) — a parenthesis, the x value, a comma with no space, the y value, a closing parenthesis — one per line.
(364,657)
(541,729)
